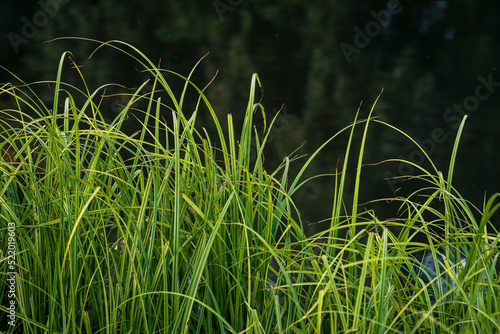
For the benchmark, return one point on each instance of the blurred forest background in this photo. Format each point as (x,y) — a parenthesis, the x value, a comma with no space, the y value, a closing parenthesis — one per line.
(428,58)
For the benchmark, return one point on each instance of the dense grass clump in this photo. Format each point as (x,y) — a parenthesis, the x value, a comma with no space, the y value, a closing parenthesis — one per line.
(175,229)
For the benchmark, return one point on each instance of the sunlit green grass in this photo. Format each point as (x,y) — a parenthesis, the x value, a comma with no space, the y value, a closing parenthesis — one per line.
(175,229)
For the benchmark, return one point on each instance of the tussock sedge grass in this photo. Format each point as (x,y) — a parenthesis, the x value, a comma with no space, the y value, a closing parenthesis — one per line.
(175,229)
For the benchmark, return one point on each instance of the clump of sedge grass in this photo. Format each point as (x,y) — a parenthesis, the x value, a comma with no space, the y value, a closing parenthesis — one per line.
(175,229)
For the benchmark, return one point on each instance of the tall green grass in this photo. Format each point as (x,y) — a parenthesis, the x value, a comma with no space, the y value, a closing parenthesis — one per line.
(176,229)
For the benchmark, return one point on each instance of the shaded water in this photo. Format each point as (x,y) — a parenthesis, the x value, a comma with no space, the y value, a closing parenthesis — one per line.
(436,60)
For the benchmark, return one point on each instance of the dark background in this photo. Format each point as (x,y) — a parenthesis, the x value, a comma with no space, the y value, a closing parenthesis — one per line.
(429,58)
